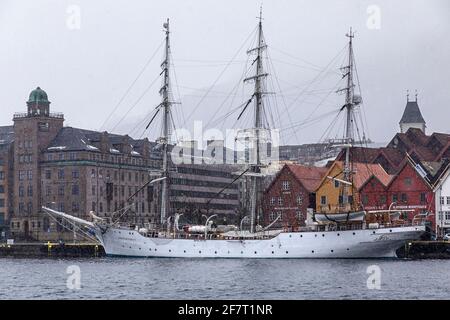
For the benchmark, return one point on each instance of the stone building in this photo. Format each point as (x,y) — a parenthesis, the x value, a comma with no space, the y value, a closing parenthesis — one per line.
(43,163)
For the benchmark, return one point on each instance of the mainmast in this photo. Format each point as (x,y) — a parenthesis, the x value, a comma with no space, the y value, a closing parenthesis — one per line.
(164,139)
(349,107)
(259,78)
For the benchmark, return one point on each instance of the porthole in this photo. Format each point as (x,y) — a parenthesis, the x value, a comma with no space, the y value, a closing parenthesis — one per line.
(170,250)
(139,248)
(301,236)
(150,249)
(354,233)
(184,251)
(315,235)
(312,251)
(348,249)
(338,234)
(323,235)
(242,252)
(156,249)
(215,252)
(332,250)
(373,232)
(273,252)
(199,252)
(287,252)
(390,230)
(256,252)
(290,236)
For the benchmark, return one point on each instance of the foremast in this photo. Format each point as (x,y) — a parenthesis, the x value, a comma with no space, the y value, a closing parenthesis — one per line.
(257,96)
(165,106)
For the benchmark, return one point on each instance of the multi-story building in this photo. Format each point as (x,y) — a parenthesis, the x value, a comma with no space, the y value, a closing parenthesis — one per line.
(291,194)
(6,143)
(43,163)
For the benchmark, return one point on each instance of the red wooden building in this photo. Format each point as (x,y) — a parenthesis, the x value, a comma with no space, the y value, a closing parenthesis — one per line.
(408,189)
(291,193)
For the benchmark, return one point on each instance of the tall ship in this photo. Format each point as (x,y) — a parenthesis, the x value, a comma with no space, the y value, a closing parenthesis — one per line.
(350,233)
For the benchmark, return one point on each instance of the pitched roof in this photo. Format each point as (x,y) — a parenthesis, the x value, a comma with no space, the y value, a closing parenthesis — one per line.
(309,176)
(76,139)
(364,171)
(412,113)
(360,154)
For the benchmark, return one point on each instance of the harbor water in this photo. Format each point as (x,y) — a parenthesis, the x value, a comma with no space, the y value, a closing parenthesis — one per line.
(117,278)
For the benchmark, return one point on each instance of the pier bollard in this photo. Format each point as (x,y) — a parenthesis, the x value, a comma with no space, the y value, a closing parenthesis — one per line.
(49,248)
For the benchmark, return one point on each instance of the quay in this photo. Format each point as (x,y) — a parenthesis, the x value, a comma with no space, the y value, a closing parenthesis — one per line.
(425,250)
(51,250)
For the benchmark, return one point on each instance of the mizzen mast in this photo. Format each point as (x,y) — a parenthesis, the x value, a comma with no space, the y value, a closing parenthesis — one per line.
(349,108)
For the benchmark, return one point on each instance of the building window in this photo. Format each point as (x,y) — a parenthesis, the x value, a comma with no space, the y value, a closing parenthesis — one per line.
(365,199)
(442,200)
(30,174)
(2,189)
(21,191)
(75,190)
(280,201)
(272,200)
(299,215)
(336,184)
(22,175)
(93,206)
(61,190)
(61,206)
(100,206)
(2,203)
(272,216)
(61,174)
(93,173)
(48,190)
(323,200)
(21,207)
(72,156)
(75,173)
(395,197)
(2,175)
(408,181)
(61,156)
(350,199)
(448,200)
(423,197)
(75,207)
(285,185)
(383,199)
(30,191)
(30,207)
(404,197)
(93,190)
(299,200)
(48,174)
(49,157)
(281,216)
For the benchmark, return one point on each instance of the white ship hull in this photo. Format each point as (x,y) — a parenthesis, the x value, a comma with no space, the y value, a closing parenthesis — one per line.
(366,243)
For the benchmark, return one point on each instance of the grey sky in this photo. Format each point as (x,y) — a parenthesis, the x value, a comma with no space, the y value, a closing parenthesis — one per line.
(86,71)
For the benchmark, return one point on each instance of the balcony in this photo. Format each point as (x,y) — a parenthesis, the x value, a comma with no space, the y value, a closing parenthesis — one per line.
(21,115)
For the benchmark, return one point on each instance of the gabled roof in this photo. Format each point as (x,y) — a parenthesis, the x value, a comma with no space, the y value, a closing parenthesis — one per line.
(412,113)
(310,177)
(361,173)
